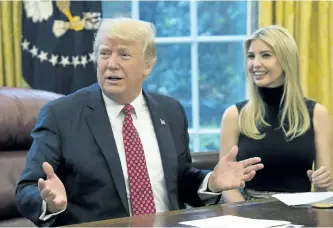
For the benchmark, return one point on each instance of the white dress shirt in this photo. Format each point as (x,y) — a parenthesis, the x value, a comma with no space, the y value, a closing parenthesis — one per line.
(144,126)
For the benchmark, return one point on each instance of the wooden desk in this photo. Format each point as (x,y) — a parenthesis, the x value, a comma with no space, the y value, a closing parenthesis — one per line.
(259,209)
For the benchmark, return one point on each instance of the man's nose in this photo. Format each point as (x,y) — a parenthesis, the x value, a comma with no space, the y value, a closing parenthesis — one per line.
(113,62)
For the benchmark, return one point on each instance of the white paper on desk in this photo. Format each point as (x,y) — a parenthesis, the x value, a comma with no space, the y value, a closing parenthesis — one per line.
(231,221)
(293,199)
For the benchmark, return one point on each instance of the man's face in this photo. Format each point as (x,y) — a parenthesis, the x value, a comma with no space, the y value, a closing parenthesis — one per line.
(121,69)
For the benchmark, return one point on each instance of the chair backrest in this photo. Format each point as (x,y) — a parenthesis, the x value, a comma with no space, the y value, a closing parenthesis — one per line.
(205,160)
(19,109)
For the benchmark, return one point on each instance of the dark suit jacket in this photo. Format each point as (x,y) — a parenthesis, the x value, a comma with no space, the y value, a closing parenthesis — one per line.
(74,135)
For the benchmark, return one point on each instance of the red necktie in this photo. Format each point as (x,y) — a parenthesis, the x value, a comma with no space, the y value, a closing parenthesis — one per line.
(141,193)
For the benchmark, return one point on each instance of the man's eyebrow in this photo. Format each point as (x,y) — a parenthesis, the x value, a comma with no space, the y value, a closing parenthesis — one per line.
(124,48)
(107,49)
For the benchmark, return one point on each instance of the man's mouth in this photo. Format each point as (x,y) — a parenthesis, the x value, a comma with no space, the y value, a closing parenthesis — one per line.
(113,78)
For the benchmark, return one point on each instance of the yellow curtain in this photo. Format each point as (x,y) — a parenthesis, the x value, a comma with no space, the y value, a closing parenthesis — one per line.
(10,44)
(311,24)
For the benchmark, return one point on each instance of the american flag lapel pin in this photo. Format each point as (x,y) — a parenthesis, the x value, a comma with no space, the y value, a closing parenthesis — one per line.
(162,122)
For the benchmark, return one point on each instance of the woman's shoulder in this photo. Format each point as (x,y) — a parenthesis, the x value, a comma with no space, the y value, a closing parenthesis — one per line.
(317,110)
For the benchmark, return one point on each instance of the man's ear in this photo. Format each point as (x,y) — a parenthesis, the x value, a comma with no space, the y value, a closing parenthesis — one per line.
(148,69)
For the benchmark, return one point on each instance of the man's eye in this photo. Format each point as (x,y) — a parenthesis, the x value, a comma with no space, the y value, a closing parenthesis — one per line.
(125,55)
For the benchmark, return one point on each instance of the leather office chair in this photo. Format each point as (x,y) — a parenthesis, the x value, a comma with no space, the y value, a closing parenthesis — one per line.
(19,109)
(205,160)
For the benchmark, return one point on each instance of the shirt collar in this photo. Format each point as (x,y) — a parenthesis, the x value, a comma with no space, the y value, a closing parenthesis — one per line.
(114,109)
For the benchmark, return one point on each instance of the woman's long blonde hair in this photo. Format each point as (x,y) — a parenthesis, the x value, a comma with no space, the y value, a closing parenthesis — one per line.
(295,118)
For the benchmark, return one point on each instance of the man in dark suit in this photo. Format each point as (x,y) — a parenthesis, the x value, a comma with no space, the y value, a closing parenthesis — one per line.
(112,150)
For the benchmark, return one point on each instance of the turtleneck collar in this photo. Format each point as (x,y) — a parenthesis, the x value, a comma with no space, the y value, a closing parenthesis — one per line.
(271,96)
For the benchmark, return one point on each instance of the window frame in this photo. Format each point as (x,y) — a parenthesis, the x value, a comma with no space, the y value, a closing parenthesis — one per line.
(194,40)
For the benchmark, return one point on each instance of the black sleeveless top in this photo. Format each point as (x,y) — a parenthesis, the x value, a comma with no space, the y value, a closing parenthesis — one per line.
(285,162)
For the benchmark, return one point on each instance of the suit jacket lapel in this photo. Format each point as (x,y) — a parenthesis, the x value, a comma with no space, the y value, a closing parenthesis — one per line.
(99,124)
(167,148)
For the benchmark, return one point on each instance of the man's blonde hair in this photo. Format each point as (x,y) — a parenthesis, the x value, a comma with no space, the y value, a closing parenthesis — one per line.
(294,111)
(129,29)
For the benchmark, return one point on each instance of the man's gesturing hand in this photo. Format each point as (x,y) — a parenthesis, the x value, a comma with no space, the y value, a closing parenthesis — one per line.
(230,174)
(52,190)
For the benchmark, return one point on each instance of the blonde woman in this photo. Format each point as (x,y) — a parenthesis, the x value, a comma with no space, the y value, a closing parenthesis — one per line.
(277,123)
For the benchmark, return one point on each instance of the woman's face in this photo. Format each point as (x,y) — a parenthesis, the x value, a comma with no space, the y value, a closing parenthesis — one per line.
(263,66)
